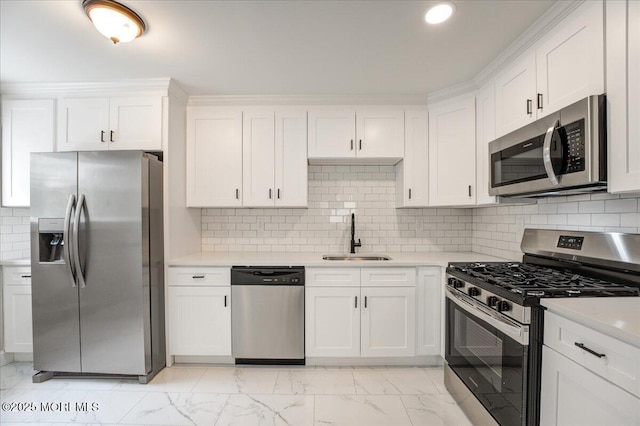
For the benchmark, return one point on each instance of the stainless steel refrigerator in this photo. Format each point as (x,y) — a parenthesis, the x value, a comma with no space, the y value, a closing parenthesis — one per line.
(97,264)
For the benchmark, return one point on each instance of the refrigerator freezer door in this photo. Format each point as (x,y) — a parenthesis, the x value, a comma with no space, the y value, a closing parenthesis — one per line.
(113,248)
(56,331)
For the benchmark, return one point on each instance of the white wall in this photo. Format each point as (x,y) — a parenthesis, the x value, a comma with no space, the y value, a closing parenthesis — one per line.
(497,231)
(335,192)
(14,233)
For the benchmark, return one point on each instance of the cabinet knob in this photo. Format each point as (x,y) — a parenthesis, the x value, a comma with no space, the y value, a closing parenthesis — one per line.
(111,136)
(360,142)
(237,194)
(539,100)
(278,193)
(351,144)
(469,190)
(101,135)
(269,193)
(529,107)
(409,193)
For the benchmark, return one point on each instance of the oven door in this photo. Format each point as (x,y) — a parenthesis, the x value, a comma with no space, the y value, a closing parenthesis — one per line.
(488,352)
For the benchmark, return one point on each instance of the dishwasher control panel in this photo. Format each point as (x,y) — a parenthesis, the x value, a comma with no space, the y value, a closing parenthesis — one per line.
(267,275)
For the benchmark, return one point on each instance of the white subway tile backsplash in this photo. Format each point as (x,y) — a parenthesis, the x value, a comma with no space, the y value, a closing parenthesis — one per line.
(14,233)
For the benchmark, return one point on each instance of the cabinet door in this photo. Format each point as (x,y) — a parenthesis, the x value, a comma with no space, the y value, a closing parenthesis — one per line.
(332,134)
(291,159)
(83,124)
(388,321)
(623,95)
(18,328)
(452,147)
(380,134)
(485,133)
(332,321)
(135,123)
(258,159)
(572,395)
(515,95)
(27,126)
(200,321)
(429,304)
(412,173)
(570,61)
(214,157)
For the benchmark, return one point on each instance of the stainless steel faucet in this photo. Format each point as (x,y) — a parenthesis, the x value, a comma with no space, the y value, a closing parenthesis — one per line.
(353,235)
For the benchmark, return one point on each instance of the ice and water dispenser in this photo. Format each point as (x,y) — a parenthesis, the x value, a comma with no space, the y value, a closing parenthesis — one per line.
(51,240)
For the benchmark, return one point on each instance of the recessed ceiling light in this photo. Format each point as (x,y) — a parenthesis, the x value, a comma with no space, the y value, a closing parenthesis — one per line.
(439,13)
(113,20)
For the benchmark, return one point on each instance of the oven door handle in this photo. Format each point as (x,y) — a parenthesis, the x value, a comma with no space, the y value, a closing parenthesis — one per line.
(519,333)
(546,152)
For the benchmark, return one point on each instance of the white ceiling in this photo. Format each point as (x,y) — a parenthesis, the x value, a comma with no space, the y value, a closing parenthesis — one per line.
(265,47)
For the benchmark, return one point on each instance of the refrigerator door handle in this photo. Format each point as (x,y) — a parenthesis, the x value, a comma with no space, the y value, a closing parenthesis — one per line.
(66,237)
(76,246)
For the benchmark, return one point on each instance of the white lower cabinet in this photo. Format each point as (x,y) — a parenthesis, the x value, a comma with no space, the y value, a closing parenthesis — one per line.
(429,302)
(343,319)
(388,320)
(332,326)
(572,395)
(18,328)
(199,311)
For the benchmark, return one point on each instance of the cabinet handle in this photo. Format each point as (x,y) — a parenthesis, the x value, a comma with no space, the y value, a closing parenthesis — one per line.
(529,107)
(269,193)
(351,144)
(225,301)
(365,302)
(591,351)
(356,301)
(469,190)
(237,194)
(360,141)
(25,276)
(409,193)
(111,136)
(197,277)
(101,135)
(539,100)
(278,193)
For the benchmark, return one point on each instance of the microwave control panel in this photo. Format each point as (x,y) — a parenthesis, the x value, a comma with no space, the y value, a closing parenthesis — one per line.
(575,146)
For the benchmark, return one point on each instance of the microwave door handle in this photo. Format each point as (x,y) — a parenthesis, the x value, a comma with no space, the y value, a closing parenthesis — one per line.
(546,152)
(518,333)
(66,237)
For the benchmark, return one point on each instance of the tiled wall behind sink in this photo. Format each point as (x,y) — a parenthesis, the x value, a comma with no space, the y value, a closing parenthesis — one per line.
(14,233)
(497,231)
(334,193)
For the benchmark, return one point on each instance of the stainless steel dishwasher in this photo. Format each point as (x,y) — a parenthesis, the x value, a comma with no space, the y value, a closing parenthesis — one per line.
(267,315)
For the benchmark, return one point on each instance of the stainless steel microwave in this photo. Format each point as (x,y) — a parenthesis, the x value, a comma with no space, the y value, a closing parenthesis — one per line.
(562,153)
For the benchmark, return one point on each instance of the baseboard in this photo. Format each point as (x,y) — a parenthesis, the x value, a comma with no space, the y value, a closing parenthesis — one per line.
(183,359)
(23,356)
(5,358)
(414,361)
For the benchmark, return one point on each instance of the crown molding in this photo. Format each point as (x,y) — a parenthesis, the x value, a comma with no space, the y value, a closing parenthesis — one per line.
(556,13)
(270,100)
(162,85)
(448,93)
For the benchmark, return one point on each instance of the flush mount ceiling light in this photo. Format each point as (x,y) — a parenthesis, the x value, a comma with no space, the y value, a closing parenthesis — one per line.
(439,13)
(113,20)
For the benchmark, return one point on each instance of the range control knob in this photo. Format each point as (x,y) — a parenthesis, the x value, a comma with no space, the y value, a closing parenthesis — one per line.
(473,291)
(492,301)
(503,306)
(455,283)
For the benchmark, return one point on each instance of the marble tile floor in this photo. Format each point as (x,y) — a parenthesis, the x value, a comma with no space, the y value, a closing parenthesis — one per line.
(230,395)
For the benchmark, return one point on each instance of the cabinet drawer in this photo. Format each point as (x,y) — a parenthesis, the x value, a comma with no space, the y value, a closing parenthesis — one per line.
(620,363)
(16,275)
(388,277)
(332,277)
(206,276)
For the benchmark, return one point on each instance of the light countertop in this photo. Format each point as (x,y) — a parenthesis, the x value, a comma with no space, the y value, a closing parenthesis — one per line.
(315,259)
(16,262)
(617,317)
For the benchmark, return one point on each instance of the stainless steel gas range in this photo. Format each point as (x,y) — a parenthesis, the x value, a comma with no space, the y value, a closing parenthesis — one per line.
(494,321)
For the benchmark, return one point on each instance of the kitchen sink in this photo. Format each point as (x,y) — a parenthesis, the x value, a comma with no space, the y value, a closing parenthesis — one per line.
(354,257)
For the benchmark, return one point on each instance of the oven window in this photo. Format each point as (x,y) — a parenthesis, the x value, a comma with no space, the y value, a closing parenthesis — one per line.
(519,163)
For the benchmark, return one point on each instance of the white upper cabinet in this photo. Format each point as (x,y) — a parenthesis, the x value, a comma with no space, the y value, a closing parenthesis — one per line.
(214,157)
(27,126)
(380,134)
(371,135)
(412,173)
(515,89)
(485,133)
(332,133)
(623,95)
(92,124)
(452,147)
(291,179)
(566,65)
(258,158)
(570,61)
